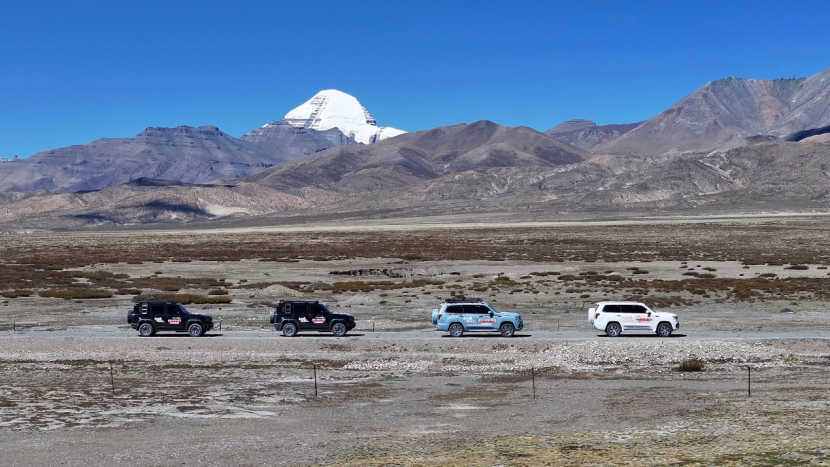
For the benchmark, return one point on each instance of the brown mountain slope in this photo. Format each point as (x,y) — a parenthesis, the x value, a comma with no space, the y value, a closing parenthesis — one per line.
(774,175)
(425,155)
(728,113)
(185,154)
(768,176)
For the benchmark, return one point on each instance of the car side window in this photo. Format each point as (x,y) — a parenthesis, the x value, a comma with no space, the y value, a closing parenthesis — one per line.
(174,310)
(316,309)
(639,309)
(300,309)
(470,309)
(611,309)
(482,310)
(455,309)
(156,310)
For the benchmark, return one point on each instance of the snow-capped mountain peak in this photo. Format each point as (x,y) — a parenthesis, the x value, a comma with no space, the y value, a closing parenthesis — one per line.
(335,109)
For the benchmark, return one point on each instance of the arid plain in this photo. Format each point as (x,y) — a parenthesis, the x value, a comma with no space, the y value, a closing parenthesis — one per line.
(751,292)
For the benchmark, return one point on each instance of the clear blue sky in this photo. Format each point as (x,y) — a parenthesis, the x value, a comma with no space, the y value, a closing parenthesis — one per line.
(75,71)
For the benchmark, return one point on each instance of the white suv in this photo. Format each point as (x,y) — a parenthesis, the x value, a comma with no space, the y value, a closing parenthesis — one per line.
(616,317)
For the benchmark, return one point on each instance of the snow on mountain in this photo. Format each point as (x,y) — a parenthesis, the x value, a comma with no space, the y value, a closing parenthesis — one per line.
(335,109)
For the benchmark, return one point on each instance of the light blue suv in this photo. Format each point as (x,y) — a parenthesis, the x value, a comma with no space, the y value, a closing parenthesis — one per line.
(457,316)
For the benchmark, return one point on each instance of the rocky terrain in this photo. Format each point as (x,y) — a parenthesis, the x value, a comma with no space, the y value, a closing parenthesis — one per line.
(586,134)
(400,178)
(728,113)
(184,154)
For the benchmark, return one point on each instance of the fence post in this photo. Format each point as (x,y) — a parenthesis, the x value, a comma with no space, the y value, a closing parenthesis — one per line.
(112,380)
(315,380)
(533,379)
(748,382)
(220,324)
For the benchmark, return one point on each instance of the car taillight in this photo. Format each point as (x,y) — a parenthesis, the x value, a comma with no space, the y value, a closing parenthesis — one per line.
(596,315)
(440,315)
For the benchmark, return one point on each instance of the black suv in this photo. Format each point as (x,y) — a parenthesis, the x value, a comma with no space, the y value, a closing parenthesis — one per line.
(292,316)
(150,317)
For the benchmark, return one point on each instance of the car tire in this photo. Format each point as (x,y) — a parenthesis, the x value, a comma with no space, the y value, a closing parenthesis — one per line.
(613,330)
(271,317)
(507,330)
(195,330)
(664,329)
(339,329)
(289,329)
(146,330)
(456,330)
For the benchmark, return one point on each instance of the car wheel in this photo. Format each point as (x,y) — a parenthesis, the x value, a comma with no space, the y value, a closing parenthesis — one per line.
(507,330)
(456,329)
(289,329)
(195,330)
(613,330)
(271,317)
(146,330)
(339,329)
(664,330)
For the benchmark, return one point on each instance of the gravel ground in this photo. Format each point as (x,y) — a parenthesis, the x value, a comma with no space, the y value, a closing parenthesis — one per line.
(470,401)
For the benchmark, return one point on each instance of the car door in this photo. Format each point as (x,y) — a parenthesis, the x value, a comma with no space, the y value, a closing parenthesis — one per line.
(300,313)
(175,318)
(641,318)
(471,317)
(158,314)
(318,316)
(486,317)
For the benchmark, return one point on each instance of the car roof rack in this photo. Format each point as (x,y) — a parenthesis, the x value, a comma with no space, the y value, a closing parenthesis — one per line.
(463,300)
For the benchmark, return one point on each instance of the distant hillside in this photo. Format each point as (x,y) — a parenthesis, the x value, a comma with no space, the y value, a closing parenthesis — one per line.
(586,134)
(728,113)
(767,176)
(421,156)
(185,154)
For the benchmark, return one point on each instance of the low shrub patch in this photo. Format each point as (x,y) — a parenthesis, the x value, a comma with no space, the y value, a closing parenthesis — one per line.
(692,364)
(76,294)
(17,293)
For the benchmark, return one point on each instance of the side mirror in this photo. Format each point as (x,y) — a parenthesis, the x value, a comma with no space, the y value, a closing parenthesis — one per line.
(649,314)
(492,314)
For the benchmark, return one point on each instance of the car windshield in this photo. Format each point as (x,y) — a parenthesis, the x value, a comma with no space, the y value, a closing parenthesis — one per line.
(325,309)
(184,310)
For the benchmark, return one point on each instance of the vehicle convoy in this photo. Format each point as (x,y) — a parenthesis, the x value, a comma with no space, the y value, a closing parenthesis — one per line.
(294,316)
(616,317)
(150,317)
(459,315)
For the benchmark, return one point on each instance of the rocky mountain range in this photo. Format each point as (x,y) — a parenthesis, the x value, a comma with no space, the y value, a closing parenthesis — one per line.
(185,154)
(729,113)
(733,144)
(421,156)
(766,176)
